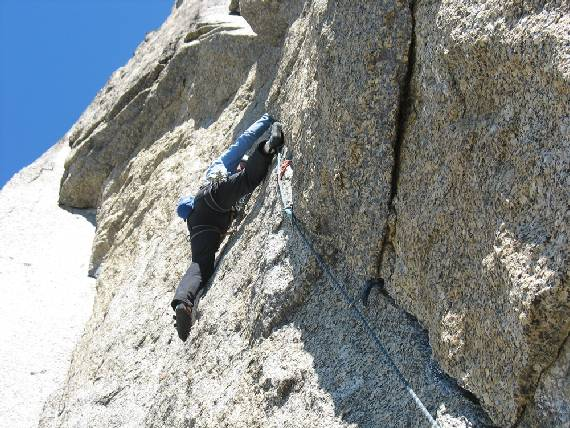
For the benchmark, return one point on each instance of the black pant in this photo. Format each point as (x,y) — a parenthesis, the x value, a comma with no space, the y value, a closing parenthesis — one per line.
(210,220)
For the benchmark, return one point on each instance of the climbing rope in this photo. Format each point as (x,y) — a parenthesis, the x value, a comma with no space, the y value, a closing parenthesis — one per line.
(357,313)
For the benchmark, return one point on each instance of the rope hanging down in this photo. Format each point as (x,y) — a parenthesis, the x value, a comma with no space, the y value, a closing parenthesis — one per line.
(357,313)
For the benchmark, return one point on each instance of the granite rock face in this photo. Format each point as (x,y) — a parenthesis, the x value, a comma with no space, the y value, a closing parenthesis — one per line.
(479,251)
(150,96)
(552,397)
(269,19)
(428,148)
(37,235)
(342,110)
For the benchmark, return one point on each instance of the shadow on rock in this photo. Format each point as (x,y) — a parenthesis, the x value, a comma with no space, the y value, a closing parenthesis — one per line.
(364,387)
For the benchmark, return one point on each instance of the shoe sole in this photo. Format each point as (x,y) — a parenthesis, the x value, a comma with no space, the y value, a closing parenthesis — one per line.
(183,323)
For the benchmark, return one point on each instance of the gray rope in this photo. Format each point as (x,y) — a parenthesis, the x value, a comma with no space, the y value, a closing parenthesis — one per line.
(288,210)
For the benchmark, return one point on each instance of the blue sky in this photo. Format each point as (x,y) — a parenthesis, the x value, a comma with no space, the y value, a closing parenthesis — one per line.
(54,57)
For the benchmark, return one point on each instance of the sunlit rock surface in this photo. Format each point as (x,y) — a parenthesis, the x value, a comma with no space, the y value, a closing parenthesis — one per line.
(482,209)
(430,146)
(46,296)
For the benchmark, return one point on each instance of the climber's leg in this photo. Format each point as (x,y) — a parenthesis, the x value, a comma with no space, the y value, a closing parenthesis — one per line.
(228,192)
(195,278)
(188,286)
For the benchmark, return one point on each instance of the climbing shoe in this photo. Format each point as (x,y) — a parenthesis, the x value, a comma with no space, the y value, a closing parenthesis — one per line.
(276,140)
(183,320)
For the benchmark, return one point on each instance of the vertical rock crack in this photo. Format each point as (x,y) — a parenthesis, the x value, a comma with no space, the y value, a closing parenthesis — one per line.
(404,108)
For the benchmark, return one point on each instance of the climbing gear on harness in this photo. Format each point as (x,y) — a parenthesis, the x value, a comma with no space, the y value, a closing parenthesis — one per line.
(284,165)
(217,175)
(238,210)
(356,312)
(287,209)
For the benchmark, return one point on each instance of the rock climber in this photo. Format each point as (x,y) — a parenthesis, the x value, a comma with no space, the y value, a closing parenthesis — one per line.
(210,212)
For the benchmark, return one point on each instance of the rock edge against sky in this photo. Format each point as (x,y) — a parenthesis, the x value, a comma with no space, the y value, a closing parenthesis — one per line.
(430,147)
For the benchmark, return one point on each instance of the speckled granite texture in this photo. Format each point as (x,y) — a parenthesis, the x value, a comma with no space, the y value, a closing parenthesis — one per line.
(480,245)
(430,146)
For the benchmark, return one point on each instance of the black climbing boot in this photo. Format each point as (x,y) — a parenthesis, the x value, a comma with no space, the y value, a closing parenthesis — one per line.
(276,140)
(183,320)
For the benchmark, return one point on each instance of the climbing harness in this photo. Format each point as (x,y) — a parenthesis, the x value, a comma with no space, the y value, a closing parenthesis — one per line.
(357,313)
(211,202)
(204,228)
